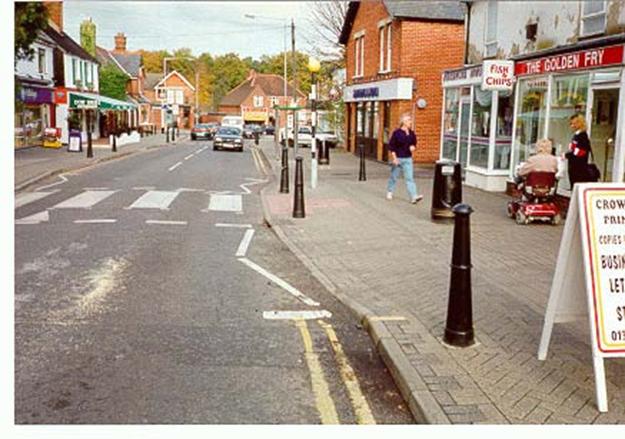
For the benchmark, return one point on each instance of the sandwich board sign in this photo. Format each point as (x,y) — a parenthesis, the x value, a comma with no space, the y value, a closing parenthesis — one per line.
(589,280)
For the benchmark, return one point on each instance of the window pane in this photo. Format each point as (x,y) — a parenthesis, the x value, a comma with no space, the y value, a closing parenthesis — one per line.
(531,112)
(591,7)
(594,25)
(382,48)
(389,46)
(491,32)
(503,137)
(480,127)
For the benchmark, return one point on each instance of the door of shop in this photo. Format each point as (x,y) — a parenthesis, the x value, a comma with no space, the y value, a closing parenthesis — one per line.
(465,122)
(603,128)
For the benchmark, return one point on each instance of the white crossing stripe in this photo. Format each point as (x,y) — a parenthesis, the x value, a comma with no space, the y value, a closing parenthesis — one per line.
(154,200)
(281,283)
(245,243)
(37,218)
(297,315)
(96,221)
(84,200)
(189,156)
(236,226)
(173,223)
(30,197)
(226,203)
(175,166)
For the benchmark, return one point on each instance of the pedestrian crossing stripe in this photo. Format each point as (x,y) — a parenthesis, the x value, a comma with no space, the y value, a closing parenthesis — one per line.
(30,197)
(226,203)
(154,200)
(84,200)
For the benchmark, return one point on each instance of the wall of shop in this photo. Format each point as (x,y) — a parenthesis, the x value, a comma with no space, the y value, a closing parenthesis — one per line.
(30,67)
(558,23)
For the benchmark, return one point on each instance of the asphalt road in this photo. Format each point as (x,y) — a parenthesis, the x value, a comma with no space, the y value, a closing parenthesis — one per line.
(142,287)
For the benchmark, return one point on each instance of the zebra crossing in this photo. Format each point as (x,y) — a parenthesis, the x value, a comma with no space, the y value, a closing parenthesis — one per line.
(150,200)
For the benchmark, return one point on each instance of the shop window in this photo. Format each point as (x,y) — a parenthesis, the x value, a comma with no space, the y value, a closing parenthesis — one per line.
(503,134)
(491,29)
(480,127)
(593,17)
(569,96)
(531,116)
(41,58)
(450,123)
(360,119)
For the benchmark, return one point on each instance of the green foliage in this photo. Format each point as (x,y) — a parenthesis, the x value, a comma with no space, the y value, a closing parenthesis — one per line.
(30,18)
(87,36)
(113,82)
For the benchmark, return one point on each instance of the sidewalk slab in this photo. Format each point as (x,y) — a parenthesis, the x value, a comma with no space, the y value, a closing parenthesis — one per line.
(390,263)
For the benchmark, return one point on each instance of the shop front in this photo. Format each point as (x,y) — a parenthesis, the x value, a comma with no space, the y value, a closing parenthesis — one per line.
(34,112)
(373,109)
(477,124)
(553,87)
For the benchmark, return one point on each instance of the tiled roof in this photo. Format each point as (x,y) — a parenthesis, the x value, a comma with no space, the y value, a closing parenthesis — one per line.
(151,79)
(272,85)
(130,62)
(69,45)
(103,56)
(409,9)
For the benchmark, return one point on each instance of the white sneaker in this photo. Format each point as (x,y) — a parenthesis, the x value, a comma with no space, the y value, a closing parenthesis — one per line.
(416,199)
(389,195)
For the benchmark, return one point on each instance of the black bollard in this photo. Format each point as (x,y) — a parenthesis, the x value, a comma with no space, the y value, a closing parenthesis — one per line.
(284,173)
(89,145)
(362,175)
(298,199)
(173,134)
(256,135)
(167,134)
(459,327)
(324,156)
(114,142)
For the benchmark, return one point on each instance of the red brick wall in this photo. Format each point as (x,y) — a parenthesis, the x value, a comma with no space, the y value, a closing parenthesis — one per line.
(55,12)
(416,53)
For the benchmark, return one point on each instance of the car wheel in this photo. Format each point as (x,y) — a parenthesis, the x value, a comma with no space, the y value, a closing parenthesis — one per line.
(521,218)
(240,149)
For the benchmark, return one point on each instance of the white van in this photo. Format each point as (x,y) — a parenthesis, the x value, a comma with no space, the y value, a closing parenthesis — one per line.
(232,121)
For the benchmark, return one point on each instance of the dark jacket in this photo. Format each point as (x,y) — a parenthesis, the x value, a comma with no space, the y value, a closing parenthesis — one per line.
(577,156)
(401,142)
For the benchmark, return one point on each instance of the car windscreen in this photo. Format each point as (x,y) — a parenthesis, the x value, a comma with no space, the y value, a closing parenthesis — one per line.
(229,131)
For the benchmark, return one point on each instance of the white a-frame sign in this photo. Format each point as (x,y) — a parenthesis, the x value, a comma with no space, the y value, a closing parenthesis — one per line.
(589,280)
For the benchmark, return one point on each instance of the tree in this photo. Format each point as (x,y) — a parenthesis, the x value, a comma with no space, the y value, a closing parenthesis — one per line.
(326,19)
(30,18)
(153,60)
(113,82)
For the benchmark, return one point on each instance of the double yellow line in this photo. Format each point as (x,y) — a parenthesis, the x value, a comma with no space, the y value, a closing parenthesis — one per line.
(324,402)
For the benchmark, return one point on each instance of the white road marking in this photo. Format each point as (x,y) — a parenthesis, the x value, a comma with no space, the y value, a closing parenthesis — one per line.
(175,166)
(96,221)
(240,226)
(245,243)
(171,223)
(281,283)
(226,203)
(41,217)
(189,156)
(63,180)
(154,200)
(297,315)
(184,189)
(95,188)
(30,197)
(84,200)
(254,181)
(143,188)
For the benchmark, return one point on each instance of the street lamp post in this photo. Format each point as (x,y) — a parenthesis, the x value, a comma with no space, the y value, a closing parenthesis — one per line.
(313,68)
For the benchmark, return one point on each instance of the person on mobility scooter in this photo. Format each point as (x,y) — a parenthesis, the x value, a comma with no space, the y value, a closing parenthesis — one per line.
(536,180)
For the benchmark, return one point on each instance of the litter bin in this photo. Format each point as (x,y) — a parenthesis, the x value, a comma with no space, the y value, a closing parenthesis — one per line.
(447,189)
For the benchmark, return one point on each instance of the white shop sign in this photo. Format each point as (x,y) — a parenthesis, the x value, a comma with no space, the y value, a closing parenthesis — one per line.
(497,75)
(387,90)
(590,275)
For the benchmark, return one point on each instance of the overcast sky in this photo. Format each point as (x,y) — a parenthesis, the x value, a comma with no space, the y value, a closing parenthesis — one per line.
(203,26)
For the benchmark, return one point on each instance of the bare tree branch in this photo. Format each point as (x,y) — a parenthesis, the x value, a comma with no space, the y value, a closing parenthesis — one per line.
(326,19)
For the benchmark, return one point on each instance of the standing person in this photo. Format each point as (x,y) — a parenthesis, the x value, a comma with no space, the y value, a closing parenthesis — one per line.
(401,146)
(579,150)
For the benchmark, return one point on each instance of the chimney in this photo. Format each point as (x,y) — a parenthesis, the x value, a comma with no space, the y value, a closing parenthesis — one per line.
(55,13)
(252,77)
(87,36)
(120,43)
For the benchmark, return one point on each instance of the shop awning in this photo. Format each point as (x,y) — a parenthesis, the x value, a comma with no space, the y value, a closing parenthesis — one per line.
(255,116)
(92,101)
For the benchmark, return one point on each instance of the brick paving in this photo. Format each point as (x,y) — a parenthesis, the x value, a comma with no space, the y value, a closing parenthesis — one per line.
(32,164)
(386,258)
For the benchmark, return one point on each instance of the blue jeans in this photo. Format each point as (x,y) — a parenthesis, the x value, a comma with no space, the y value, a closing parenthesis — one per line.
(405,165)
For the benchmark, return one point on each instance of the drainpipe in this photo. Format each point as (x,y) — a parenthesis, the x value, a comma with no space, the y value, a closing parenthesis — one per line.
(467,30)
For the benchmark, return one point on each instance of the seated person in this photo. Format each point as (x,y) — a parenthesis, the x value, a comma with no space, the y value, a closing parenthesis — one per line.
(541,161)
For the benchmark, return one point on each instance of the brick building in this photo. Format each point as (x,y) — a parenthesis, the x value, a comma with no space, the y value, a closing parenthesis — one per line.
(254,98)
(395,55)
(173,92)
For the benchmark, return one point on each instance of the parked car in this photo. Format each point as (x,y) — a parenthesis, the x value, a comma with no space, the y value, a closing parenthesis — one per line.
(228,137)
(270,130)
(329,137)
(212,128)
(304,136)
(201,131)
(249,130)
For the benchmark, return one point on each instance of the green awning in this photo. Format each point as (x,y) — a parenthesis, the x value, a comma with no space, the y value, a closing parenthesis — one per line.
(92,101)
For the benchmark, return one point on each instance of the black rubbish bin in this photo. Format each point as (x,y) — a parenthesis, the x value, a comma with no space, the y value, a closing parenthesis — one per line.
(447,190)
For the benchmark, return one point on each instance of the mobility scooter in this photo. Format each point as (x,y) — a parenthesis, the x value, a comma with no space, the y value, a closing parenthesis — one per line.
(537,202)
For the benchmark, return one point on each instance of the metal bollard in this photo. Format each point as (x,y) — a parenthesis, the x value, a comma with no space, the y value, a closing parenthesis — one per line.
(89,145)
(173,134)
(284,173)
(167,134)
(256,135)
(459,327)
(114,148)
(298,199)
(362,175)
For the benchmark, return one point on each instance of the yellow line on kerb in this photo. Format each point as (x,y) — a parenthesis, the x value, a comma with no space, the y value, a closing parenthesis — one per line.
(325,405)
(359,402)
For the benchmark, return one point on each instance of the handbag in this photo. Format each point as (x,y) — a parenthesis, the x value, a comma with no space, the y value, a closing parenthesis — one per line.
(592,171)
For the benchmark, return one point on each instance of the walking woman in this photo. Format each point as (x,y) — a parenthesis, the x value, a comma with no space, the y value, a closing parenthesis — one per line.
(579,150)
(401,146)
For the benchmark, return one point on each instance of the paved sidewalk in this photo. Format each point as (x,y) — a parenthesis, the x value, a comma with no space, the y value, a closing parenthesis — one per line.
(390,263)
(34,164)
